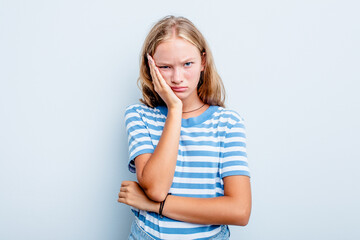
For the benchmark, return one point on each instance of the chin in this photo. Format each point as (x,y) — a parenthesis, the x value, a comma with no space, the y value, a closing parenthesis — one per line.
(181,95)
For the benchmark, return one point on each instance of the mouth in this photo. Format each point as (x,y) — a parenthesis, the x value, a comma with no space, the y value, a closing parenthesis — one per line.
(179,89)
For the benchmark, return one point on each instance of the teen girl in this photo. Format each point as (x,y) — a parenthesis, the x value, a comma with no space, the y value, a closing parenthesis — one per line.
(187,149)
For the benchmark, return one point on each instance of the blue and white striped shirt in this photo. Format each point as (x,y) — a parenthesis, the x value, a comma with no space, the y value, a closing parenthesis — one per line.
(212,146)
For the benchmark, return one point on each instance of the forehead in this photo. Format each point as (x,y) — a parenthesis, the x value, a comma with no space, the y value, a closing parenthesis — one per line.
(176,49)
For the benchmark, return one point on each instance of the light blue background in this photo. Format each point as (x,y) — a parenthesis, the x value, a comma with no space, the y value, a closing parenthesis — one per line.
(68,69)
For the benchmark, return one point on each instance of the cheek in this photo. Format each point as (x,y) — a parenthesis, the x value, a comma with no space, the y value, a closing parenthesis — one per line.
(193,75)
(166,74)
(189,74)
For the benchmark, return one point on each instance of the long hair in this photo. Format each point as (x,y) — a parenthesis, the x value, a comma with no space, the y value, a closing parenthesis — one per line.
(210,87)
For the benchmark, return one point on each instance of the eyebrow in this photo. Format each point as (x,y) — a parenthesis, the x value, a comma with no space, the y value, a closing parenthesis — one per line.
(184,61)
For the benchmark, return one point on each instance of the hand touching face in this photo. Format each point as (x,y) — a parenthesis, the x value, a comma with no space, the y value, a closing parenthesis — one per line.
(161,87)
(180,64)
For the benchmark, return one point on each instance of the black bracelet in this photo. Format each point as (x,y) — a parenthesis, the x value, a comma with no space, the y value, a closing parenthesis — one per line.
(162,206)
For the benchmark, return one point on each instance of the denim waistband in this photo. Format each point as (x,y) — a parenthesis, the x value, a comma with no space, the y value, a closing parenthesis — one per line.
(224,234)
(137,233)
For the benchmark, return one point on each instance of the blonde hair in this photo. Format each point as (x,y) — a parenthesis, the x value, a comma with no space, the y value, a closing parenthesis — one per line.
(210,88)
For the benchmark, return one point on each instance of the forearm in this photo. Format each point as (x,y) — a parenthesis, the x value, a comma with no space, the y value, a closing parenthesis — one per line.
(233,208)
(217,210)
(158,172)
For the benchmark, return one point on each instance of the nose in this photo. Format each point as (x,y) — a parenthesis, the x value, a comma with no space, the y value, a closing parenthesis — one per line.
(177,76)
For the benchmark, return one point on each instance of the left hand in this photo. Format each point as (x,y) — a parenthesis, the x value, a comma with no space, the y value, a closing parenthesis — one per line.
(132,194)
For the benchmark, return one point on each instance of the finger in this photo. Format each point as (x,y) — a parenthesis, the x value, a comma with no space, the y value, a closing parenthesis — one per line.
(124,189)
(125,183)
(148,58)
(160,77)
(158,80)
(122,195)
(156,77)
(152,71)
(121,200)
(157,73)
(124,201)
(153,66)
(151,61)
(155,81)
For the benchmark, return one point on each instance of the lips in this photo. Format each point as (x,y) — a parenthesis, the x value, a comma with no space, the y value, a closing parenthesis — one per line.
(179,89)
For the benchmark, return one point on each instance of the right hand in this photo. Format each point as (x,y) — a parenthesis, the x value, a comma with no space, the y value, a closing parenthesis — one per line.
(133,195)
(161,87)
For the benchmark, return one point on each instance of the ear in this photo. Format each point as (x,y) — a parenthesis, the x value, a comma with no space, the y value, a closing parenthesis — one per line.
(203,61)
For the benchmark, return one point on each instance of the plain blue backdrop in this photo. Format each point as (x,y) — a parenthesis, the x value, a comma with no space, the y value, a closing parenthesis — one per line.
(69,68)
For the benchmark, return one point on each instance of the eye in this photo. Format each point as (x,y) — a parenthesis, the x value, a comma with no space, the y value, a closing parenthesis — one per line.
(164,67)
(188,64)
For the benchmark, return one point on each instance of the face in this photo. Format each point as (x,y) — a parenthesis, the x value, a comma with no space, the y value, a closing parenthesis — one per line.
(180,64)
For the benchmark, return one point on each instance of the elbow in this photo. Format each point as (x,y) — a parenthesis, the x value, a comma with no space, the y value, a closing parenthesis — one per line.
(243,222)
(156,194)
(242,217)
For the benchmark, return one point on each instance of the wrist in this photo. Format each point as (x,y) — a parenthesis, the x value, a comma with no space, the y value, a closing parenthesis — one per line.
(162,204)
(155,206)
(175,107)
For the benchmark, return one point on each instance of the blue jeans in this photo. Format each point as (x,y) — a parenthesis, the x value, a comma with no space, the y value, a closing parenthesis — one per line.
(137,233)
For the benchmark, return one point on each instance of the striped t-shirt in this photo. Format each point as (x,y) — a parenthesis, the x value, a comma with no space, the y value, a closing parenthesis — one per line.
(212,146)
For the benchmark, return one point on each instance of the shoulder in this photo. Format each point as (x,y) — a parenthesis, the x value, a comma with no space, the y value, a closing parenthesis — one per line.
(136,107)
(141,110)
(230,116)
(233,123)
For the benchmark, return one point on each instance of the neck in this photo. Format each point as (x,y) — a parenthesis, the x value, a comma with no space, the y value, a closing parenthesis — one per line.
(194,109)
(191,105)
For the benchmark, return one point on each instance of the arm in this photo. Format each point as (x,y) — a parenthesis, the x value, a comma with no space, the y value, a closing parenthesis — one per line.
(155,171)
(233,208)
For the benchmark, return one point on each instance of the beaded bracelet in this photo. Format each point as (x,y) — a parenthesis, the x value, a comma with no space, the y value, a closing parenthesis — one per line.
(162,206)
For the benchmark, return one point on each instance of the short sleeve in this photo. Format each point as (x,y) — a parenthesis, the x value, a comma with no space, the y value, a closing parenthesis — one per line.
(139,140)
(234,157)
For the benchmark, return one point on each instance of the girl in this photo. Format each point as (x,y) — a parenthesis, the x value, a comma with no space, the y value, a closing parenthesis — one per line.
(187,149)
